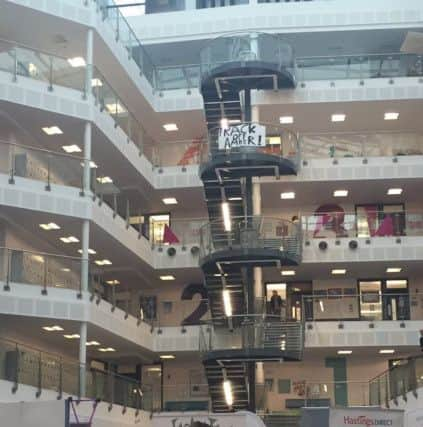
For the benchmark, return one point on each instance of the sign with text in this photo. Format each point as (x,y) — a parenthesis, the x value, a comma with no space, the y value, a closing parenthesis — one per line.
(365,417)
(245,135)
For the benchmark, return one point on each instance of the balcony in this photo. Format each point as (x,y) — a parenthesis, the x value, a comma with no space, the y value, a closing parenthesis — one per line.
(266,241)
(25,365)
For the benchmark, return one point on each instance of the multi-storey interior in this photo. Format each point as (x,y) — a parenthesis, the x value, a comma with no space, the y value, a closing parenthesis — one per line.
(211,205)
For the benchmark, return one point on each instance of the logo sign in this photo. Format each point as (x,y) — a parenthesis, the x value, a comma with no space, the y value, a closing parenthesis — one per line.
(246,135)
(365,418)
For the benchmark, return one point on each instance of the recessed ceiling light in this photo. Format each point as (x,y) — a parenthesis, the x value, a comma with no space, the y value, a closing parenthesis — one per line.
(115,108)
(338,117)
(90,251)
(167,356)
(113,282)
(394,191)
(170,201)
(387,351)
(106,349)
(53,328)
(105,180)
(52,130)
(50,226)
(77,61)
(235,199)
(96,83)
(65,270)
(339,271)
(92,343)
(391,116)
(170,127)
(340,193)
(92,164)
(344,351)
(288,195)
(288,272)
(168,277)
(394,270)
(71,336)
(154,369)
(69,239)
(102,262)
(71,148)
(286,120)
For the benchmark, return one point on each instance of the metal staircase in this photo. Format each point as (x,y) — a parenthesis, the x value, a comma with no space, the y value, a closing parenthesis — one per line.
(235,241)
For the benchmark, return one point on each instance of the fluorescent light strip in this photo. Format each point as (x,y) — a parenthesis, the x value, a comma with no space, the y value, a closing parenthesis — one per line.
(286,120)
(226,216)
(394,191)
(170,201)
(227,304)
(289,195)
(340,193)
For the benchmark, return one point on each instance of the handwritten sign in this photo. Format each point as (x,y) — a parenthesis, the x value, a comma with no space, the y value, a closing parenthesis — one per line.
(245,135)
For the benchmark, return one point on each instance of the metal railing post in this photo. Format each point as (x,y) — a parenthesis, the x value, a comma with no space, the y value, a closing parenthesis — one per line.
(8,260)
(50,74)
(48,186)
(15,65)
(60,388)
(12,165)
(44,290)
(17,363)
(39,381)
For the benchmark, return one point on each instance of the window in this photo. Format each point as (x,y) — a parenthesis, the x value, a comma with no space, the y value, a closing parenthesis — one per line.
(380,220)
(284,386)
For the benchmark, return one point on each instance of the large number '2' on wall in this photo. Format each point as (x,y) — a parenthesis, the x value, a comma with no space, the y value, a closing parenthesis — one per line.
(188,294)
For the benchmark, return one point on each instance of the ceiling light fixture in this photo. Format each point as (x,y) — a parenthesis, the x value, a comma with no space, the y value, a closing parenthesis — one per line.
(226,216)
(106,349)
(340,193)
(235,199)
(105,180)
(77,61)
(170,201)
(52,130)
(69,239)
(96,82)
(286,120)
(92,343)
(50,226)
(102,262)
(170,127)
(71,336)
(394,192)
(92,164)
(387,351)
(53,328)
(167,277)
(288,272)
(289,195)
(71,148)
(344,352)
(338,118)
(394,270)
(339,271)
(167,356)
(90,251)
(391,116)
(113,282)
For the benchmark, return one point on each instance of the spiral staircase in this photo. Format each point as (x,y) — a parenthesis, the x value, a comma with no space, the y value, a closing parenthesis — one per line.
(236,242)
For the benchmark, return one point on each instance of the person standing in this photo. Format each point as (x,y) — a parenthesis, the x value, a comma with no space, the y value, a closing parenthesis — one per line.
(275,304)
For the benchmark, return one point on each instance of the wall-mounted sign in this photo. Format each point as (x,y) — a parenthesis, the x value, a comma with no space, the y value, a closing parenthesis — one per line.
(245,135)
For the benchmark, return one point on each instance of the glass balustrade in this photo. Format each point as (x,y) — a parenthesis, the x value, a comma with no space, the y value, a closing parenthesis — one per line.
(371,223)
(347,304)
(406,375)
(22,364)
(19,266)
(41,165)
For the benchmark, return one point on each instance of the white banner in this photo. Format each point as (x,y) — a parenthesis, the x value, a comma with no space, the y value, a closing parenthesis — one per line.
(246,135)
(365,417)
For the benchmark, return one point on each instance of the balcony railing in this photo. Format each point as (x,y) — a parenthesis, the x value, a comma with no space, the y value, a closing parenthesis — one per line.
(255,232)
(256,332)
(22,364)
(333,305)
(40,269)
(42,165)
(371,223)
(405,376)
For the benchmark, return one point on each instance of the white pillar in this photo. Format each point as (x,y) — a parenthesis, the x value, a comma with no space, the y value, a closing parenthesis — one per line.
(190,4)
(89,52)
(85,256)
(82,358)
(87,158)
